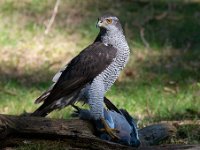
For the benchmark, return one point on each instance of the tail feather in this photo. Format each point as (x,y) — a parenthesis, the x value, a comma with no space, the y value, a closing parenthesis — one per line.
(46,107)
(128,117)
(38,113)
(44,96)
(42,111)
(110,105)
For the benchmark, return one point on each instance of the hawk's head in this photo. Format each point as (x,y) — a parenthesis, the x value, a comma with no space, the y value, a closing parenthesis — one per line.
(109,22)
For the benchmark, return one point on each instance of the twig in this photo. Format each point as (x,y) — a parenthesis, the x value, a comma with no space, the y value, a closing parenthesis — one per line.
(183,122)
(52,17)
(152,16)
(161,16)
(146,44)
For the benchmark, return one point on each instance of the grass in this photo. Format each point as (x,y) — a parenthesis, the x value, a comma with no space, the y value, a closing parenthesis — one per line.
(159,83)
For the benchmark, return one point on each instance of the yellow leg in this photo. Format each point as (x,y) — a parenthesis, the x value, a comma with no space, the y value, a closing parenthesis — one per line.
(109,130)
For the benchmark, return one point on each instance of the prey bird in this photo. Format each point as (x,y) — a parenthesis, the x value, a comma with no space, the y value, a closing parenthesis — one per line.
(90,74)
(118,119)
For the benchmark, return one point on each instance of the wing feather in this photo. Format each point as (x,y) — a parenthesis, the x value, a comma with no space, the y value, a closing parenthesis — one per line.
(80,71)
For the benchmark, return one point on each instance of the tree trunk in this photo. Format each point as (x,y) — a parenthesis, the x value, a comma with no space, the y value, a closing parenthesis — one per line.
(74,133)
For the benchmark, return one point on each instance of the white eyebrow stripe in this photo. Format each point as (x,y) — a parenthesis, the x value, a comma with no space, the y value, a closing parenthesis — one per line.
(114,18)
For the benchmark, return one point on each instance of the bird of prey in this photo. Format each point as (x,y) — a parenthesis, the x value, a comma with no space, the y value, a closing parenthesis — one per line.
(115,118)
(90,74)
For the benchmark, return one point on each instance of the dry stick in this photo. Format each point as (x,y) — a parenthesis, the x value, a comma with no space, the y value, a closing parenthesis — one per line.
(52,17)
(146,44)
(182,122)
(146,21)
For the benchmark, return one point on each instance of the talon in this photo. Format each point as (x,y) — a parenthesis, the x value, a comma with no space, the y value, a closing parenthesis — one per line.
(76,107)
(76,111)
(114,130)
(109,130)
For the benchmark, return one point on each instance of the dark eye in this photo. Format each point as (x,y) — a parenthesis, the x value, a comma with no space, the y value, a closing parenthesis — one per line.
(109,21)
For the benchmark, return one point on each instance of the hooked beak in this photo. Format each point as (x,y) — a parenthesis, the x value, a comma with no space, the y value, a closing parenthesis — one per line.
(100,23)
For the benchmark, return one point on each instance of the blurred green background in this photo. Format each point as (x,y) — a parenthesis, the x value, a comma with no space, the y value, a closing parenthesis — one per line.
(160,82)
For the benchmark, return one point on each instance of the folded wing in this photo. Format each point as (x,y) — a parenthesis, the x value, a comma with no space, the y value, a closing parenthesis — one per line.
(80,71)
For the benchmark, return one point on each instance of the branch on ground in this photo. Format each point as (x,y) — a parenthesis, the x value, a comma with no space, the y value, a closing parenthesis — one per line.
(31,128)
(52,17)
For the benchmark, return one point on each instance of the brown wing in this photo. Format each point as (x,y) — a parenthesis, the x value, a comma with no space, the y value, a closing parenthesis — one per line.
(80,71)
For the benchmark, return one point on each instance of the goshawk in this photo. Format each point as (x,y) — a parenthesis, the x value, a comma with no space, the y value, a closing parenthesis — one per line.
(90,74)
